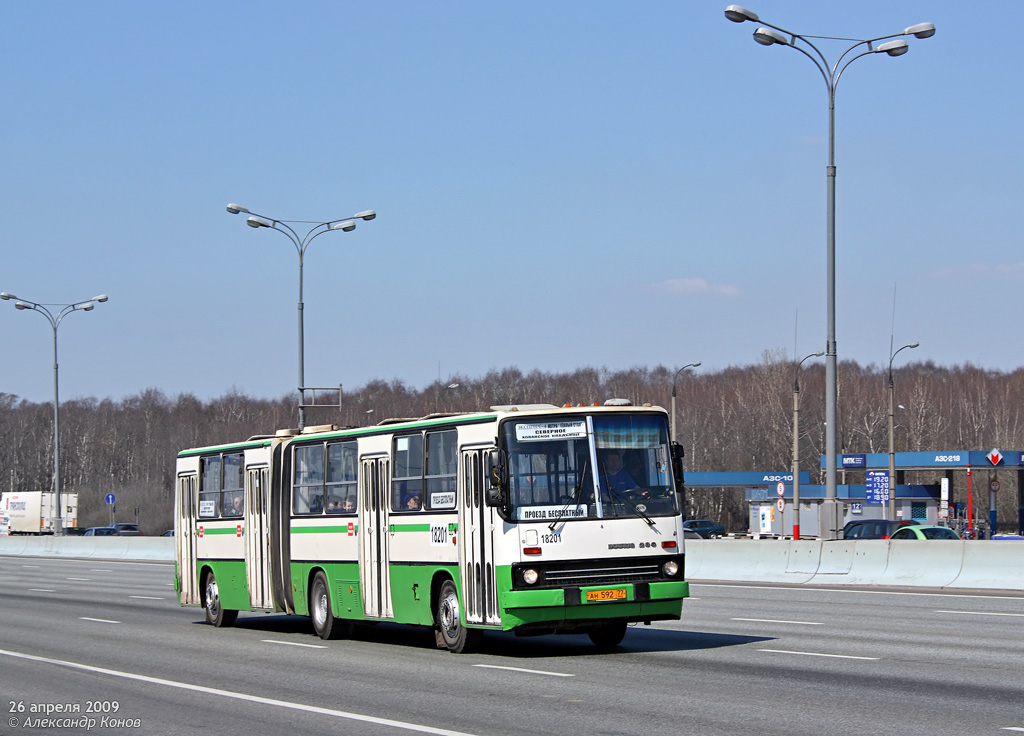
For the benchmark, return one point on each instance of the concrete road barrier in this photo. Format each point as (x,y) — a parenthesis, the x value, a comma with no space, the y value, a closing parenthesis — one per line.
(984,565)
(930,563)
(106,548)
(988,564)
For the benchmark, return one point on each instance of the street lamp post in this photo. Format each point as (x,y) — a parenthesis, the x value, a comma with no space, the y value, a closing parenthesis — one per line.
(437,395)
(673,407)
(892,450)
(347,224)
(769,35)
(55,320)
(796,443)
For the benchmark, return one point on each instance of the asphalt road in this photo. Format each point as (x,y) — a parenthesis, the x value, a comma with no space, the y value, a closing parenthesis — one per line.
(109,637)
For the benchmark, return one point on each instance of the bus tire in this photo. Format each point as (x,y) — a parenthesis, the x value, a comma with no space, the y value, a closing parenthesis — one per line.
(215,613)
(456,637)
(608,634)
(325,624)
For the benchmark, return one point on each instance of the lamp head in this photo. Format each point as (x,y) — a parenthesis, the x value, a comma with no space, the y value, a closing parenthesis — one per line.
(769,36)
(819,353)
(914,345)
(257,222)
(695,365)
(87,307)
(893,48)
(234,209)
(346,225)
(738,14)
(22,305)
(364,215)
(5,296)
(101,298)
(921,30)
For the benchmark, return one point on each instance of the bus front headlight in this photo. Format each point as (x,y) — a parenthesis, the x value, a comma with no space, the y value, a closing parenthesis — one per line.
(670,569)
(530,576)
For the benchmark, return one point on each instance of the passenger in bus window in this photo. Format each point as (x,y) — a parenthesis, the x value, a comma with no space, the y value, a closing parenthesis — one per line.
(348,505)
(412,503)
(237,504)
(334,506)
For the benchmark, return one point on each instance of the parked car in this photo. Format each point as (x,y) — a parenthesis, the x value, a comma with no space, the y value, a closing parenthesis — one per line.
(690,534)
(168,533)
(704,527)
(101,531)
(73,531)
(125,529)
(922,531)
(874,528)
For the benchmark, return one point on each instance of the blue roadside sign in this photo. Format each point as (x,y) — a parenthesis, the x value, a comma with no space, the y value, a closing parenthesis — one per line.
(111,499)
(877,487)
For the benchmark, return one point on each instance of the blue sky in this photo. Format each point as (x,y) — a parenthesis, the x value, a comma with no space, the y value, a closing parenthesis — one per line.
(558,185)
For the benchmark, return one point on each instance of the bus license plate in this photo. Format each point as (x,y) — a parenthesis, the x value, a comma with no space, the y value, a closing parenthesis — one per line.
(614,594)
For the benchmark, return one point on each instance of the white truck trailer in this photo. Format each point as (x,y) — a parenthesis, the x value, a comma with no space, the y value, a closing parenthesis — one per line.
(34,512)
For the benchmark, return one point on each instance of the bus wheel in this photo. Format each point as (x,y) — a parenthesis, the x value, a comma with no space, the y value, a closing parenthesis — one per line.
(455,636)
(609,634)
(324,623)
(215,614)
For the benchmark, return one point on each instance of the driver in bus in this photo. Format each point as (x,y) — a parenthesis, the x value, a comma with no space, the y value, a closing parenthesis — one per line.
(613,477)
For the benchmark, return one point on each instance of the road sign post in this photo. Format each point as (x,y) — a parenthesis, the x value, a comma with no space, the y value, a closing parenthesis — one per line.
(111,499)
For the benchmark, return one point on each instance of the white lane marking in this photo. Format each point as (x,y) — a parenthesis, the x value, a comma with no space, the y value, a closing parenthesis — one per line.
(31,567)
(294,644)
(101,571)
(98,620)
(81,579)
(1013,728)
(521,669)
(982,613)
(237,696)
(42,590)
(815,588)
(815,654)
(779,621)
(147,597)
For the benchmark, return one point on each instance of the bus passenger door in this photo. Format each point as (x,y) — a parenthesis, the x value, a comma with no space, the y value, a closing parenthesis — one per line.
(476,550)
(374,577)
(185,541)
(257,537)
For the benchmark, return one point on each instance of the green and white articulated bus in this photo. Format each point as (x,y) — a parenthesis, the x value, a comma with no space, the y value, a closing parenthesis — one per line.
(533,519)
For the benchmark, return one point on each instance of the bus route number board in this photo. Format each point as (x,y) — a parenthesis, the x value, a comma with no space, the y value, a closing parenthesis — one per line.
(613,594)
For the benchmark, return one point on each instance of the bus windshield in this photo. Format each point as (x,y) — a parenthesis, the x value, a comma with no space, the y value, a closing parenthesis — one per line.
(589,467)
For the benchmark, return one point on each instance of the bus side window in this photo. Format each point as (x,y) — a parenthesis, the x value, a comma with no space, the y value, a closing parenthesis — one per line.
(233,487)
(309,480)
(210,488)
(441,469)
(407,480)
(341,477)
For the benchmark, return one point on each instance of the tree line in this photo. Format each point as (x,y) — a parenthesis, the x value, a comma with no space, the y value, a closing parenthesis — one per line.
(734,419)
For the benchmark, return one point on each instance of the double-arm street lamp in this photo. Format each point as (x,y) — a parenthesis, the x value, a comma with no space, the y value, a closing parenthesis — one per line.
(768,35)
(301,243)
(674,378)
(55,320)
(892,450)
(796,443)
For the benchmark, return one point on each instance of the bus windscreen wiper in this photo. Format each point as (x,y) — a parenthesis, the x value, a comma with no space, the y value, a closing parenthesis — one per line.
(642,514)
(575,496)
